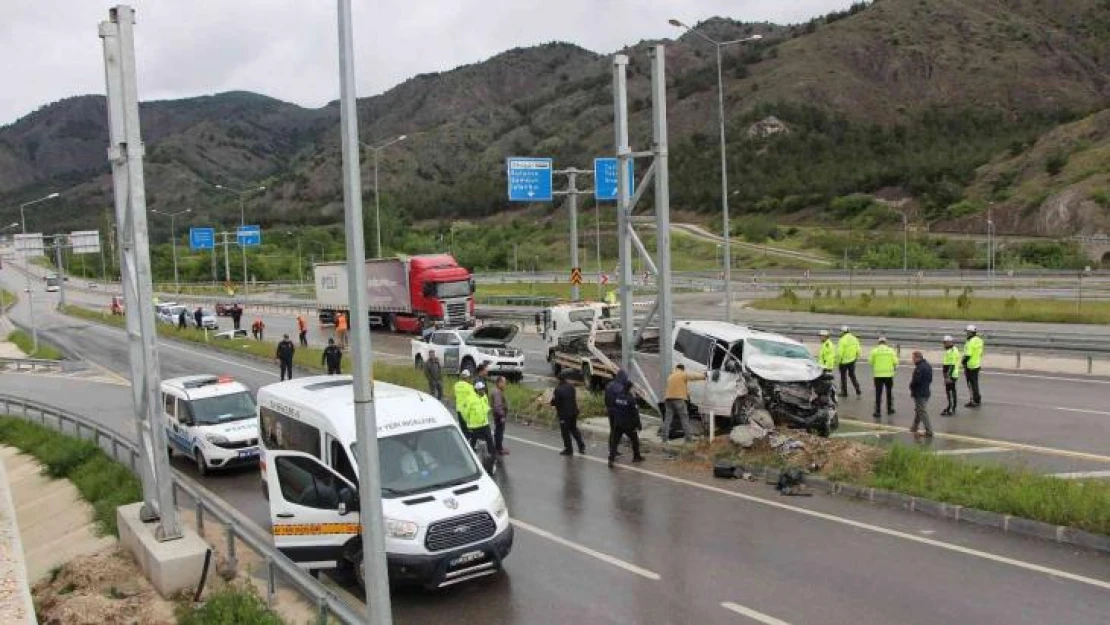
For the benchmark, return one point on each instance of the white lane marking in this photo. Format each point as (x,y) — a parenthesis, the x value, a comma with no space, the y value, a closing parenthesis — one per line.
(752,614)
(604,557)
(855,434)
(1060,408)
(970,450)
(1080,475)
(1049,377)
(1029,566)
(1051,451)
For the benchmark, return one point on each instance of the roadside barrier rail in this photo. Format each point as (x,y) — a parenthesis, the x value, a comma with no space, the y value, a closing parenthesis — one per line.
(236,528)
(31,364)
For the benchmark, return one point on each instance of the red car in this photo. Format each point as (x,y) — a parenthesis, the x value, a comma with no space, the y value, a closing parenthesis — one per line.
(223,309)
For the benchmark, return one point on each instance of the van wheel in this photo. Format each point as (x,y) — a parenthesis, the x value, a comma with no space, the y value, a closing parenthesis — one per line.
(419,362)
(556,368)
(360,573)
(741,412)
(202,464)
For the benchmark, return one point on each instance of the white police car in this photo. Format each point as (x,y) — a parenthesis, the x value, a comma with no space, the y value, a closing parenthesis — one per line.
(212,420)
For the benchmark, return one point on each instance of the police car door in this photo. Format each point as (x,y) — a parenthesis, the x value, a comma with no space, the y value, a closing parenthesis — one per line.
(177,433)
(313,510)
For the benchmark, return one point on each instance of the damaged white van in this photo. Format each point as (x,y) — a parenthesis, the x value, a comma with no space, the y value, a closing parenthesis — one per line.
(749,370)
(445,519)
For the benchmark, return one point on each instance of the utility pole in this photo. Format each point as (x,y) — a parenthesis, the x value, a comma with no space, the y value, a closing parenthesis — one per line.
(173,240)
(58,261)
(125,153)
(376,577)
(572,193)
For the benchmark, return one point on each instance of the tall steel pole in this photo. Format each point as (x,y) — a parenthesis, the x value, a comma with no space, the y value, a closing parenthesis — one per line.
(125,154)
(664,296)
(724,188)
(61,272)
(624,238)
(375,573)
(23,216)
(905,243)
(243,248)
(377,211)
(572,209)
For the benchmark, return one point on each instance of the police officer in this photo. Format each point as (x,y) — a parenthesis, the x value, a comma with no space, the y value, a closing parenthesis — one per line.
(464,393)
(476,415)
(332,358)
(973,360)
(848,352)
(826,357)
(950,372)
(565,401)
(883,361)
(626,421)
(284,355)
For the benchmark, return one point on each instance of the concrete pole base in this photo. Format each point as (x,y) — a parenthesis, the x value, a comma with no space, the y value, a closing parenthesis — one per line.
(174,566)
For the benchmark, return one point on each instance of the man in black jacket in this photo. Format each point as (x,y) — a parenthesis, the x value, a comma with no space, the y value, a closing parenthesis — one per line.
(625,419)
(565,400)
(434,372)
(284,355)
(236,315)
(198,316)
(332,358)
(919,389)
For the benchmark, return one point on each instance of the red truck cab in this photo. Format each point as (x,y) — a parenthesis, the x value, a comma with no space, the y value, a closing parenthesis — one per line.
(442,292)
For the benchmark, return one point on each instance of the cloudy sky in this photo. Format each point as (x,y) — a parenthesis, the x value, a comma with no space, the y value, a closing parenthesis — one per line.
(287,48)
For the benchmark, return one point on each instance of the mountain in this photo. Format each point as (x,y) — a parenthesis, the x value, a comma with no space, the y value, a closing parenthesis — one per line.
(909,95)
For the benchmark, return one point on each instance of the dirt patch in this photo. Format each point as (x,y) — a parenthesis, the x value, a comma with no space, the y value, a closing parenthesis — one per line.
(106,588)
(836,458)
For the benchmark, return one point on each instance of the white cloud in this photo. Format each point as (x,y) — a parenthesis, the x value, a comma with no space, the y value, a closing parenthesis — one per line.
(286,48)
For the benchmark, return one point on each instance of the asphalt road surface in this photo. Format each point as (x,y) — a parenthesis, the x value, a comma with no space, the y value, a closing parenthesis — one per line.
(652,545)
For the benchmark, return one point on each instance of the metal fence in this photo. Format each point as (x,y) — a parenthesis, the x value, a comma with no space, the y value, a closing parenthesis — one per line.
(237,529)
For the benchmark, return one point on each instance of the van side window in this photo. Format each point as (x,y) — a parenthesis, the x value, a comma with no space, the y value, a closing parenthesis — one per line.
(184,412)
(697,347)
(680,341)
(170,402)
(305,482)
(341,463)
(282,432)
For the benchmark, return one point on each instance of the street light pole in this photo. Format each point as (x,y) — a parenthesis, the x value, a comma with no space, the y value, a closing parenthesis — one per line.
(23,216)
(724,156)
(173,241)
(377,196)
(242,193)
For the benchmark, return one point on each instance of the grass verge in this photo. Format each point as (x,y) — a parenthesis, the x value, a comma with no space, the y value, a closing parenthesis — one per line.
(232,605)
(102,482)
(956,307)
(26,344)
(7,298)
(1084,504)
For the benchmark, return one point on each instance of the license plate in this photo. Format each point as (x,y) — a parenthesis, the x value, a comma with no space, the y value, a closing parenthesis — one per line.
(248,453)
(468,557)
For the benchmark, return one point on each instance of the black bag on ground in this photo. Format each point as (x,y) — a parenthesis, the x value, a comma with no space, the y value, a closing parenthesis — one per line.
(724,469)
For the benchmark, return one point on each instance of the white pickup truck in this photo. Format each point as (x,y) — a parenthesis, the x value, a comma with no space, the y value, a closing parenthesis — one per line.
(466,349)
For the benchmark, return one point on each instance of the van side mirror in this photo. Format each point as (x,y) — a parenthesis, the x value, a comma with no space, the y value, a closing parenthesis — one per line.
(716,375)
(348,501)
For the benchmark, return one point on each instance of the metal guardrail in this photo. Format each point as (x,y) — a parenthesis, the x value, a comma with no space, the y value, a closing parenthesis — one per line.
(327,603)
(31,364)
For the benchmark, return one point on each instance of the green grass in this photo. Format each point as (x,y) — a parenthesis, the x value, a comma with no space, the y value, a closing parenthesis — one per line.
(1084,504)
(984,309)
(7,298)
(26,344)
(102,482)
(232,605)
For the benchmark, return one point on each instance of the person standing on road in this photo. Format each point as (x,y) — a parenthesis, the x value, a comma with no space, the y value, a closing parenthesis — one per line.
(826,357)
(674,401)
(920,385)
(434,372)
(302,331)
(951,373)
(565,401)
(284,355)
(883,361)
(973,360)
(198,317)
(464,393)
(612,390)
(332,358)
(341,329)
(848,352)
(236,315)
(500,408)
(476,416)
(625,419)
(537,322)
(181,324)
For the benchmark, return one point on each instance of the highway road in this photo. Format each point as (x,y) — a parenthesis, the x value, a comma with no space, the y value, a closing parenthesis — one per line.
(658,545)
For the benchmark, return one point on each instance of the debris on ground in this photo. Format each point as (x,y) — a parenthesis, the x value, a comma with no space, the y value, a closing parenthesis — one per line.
(841,458)
(102,588)
(746,435)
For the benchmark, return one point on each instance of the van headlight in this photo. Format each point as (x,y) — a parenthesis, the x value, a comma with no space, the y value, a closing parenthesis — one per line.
(403,530)
(500,510)
(215,439)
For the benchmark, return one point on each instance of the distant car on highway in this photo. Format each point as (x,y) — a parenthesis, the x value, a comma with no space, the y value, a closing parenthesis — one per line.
(170,313)
(53,284)
(223,309)
(212,420)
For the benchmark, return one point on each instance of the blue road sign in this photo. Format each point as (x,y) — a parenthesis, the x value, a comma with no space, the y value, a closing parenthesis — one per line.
(249,236)
(605,179)
(202,238)
(529,179)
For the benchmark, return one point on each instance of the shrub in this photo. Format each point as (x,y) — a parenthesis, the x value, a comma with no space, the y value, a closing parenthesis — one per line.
(1055,163)
(234,605)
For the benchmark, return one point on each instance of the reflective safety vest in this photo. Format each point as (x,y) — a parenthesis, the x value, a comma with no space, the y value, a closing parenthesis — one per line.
(827,356)
(848,349)
(476,414)
(974,349)
(883,360)
(952,359)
